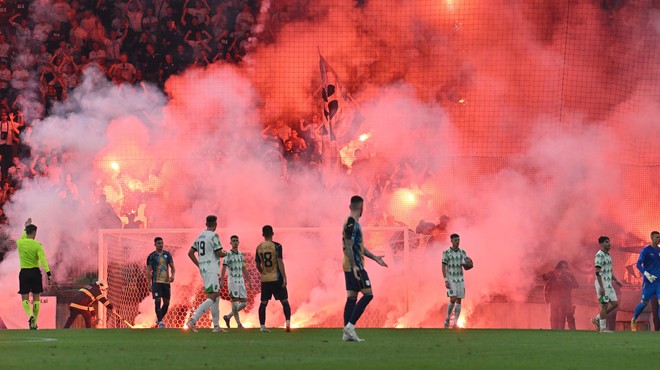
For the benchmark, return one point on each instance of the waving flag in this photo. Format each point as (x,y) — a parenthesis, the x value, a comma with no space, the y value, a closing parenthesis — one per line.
(342,118)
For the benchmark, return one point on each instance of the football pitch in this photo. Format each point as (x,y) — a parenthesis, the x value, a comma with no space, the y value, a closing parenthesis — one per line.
(323,349)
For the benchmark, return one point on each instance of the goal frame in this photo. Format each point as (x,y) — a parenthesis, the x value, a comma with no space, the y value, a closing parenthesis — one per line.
(103,250)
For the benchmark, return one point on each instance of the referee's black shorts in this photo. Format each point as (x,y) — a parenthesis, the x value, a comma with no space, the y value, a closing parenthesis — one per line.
(29,280)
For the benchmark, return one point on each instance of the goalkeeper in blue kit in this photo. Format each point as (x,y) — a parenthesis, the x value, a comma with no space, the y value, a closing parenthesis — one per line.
(648,264)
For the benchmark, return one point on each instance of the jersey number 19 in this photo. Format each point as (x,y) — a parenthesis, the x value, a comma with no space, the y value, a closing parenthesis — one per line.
(201,247)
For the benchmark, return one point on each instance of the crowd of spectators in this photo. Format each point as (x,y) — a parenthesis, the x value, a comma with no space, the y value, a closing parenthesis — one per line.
(295,148)
(46,46)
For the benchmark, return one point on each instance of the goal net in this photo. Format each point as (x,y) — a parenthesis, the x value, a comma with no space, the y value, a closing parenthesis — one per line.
(312,259)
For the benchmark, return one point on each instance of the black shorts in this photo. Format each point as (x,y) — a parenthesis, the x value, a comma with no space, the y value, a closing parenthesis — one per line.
(29,280)
(354,284)
(273,289)
(161,290)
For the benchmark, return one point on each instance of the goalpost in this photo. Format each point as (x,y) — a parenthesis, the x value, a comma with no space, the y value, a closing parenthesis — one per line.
(123,253)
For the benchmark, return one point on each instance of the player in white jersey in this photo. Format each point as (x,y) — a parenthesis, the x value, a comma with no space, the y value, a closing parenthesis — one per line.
(454,260)
(208,248)
(604,289)
(238,275)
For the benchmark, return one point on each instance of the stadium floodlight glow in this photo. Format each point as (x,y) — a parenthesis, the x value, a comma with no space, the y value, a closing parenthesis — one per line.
(406,196)
(410,197)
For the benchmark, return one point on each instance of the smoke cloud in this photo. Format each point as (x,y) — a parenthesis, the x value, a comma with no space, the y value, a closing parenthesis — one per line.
(528,125)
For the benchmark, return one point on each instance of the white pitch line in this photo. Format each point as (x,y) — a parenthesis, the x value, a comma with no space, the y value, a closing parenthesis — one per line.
(27,340)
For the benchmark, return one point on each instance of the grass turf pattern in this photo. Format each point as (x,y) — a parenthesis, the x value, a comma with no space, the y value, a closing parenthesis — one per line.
(323,349)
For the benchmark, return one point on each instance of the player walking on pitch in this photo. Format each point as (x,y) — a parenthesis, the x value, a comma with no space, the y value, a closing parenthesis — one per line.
(270,263)
(454,260)
(604,289)
(208,248)
(648,264)
(237,276)
(30,255)
(159,264)
(355,275)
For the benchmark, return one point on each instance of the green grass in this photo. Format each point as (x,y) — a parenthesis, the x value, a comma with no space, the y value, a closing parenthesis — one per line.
(323,349)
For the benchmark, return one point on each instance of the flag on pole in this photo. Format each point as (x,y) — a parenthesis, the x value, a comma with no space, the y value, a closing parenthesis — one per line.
(342,118)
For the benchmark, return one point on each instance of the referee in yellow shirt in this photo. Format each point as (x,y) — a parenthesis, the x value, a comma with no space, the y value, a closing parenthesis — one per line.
(31,254)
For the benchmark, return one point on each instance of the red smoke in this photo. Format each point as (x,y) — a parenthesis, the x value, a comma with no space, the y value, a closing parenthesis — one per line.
(532,126)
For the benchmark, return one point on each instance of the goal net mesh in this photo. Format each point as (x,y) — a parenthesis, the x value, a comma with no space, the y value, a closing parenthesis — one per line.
(312,259)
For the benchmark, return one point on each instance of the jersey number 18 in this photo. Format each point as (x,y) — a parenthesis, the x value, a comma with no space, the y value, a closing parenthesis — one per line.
(267,257)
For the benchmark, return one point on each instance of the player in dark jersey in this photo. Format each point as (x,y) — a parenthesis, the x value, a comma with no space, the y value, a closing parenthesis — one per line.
(159,264)
(357,279)
(82,303)
(273,277)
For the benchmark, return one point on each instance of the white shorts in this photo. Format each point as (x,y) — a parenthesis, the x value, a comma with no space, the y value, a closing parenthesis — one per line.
(610,294)
(237,290)
(211,282)
(456,290)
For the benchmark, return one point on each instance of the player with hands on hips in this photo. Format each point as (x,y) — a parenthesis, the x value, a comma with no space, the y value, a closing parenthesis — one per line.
(209,250)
